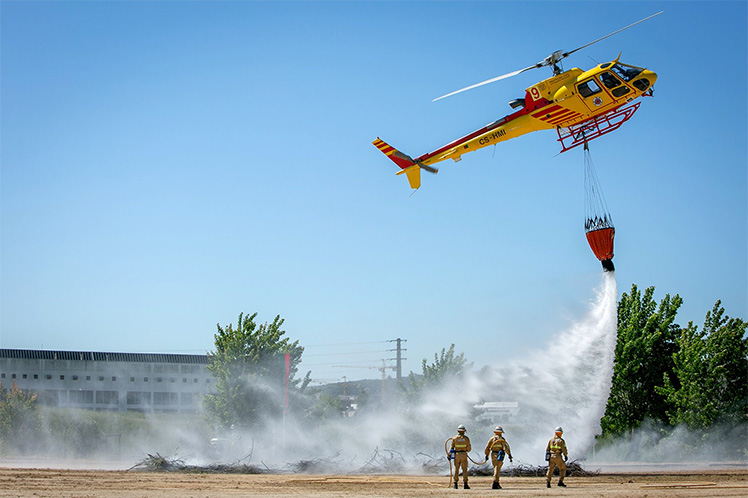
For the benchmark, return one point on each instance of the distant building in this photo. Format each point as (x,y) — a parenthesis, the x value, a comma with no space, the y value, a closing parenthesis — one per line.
(143,382)
(497,411)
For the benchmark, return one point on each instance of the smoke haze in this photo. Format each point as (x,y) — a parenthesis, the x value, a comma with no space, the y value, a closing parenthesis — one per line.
(565,382)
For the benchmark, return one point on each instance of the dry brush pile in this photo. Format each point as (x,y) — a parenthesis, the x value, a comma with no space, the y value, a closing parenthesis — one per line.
(381,462)
(158,463)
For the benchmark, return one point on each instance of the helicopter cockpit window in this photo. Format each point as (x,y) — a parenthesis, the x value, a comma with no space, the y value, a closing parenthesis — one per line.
(627,73)
(589,87)
(609,80)
(613,84)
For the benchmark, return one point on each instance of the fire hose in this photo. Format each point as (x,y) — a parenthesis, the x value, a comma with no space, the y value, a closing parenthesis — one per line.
(450,457)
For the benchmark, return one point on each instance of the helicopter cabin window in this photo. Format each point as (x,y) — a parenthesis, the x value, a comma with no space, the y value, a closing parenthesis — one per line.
(614,85)
(620,91)
(609,80)
(589,87)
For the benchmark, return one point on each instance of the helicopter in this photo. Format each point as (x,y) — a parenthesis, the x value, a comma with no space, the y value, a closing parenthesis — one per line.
(579,105)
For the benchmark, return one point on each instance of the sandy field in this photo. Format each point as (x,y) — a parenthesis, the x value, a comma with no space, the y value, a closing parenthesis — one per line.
(31,483)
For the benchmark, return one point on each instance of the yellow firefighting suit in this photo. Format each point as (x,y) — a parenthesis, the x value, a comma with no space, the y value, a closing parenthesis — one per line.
(461,445)
(557,448)
(495,445)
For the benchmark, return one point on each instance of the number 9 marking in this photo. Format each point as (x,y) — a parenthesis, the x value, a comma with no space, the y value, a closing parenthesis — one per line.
(534,93)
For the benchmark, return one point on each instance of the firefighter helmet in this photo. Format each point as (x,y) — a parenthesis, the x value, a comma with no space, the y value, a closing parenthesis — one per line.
(558,429)
(498,429)
(460,428)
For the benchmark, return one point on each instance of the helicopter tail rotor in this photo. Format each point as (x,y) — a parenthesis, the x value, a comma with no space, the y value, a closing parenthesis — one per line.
(408,166)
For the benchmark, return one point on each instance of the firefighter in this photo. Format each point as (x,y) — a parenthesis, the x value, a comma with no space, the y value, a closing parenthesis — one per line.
(556,455)
(460,447)
(497,447)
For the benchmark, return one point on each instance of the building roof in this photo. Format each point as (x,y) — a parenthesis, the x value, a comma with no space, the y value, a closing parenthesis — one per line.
(39,354)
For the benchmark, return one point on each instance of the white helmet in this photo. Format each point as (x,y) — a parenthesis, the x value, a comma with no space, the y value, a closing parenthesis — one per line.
(460,428)
(558,429)
(498,429)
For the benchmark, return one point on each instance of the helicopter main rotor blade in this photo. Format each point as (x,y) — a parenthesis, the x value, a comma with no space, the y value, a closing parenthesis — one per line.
(507,75)
(565,54)
(548,61)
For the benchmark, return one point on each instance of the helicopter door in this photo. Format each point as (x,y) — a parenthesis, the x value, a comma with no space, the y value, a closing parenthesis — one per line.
(593,95)
(614,85)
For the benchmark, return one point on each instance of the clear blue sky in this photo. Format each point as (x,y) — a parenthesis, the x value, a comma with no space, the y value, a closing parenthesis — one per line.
(168,165)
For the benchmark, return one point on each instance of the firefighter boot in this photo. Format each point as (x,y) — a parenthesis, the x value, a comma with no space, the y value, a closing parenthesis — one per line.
(455,485)
(465,486)
(547,484)
(561,483)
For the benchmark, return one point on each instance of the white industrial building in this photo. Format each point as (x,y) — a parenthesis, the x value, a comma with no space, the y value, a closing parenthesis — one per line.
(144,382)
(495,412)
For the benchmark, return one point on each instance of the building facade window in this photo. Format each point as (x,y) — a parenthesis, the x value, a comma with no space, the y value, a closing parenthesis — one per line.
(81,397)
(107,397)
(165,398)
(138,398)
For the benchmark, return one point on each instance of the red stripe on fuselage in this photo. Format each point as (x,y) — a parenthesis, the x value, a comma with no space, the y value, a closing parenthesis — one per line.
(564,119)
(559,113)
(564,116)
(546,111)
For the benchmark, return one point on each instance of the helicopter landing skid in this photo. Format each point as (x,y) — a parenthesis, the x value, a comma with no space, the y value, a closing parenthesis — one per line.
(598,126)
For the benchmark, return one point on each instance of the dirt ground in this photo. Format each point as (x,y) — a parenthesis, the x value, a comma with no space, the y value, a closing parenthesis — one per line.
(28,483)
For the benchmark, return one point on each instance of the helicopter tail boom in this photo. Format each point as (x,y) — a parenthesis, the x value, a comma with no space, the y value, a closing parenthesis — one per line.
(408,166)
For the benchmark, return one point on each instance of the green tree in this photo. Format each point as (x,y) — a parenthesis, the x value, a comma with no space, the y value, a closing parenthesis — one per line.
(710,376)
(19,418)
(446,365)
(249,367)
(325,406)
(684,388)
(643,356)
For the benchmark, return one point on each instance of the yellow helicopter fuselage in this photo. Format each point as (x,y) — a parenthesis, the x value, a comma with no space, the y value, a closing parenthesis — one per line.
(564,100)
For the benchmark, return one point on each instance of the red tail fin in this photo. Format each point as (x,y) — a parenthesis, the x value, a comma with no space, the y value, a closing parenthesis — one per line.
(406,163)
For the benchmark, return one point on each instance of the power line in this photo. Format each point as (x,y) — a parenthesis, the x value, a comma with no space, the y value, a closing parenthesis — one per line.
(341,344)
(350,352)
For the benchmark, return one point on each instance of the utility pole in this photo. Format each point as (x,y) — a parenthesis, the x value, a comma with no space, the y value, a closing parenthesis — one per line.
(383,369)
(399,359)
